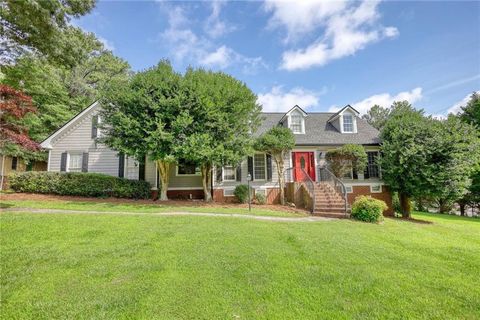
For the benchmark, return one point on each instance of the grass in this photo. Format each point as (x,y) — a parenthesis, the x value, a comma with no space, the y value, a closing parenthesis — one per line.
(143,208)
(145,267)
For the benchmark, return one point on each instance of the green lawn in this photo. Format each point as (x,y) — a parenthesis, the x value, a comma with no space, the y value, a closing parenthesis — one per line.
(143,208)
(146,266)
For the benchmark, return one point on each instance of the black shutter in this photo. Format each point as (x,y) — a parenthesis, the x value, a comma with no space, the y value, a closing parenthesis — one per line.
(269,167)
(85,162)
(121,164)
(14,163)
(218,174)
(250,167)
(239,172)
(141,168)
(94,126)
(63,162)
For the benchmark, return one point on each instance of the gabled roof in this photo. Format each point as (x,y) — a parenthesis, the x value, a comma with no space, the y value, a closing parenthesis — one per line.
(341,111)
(319,131)
(296,107)
(47,143)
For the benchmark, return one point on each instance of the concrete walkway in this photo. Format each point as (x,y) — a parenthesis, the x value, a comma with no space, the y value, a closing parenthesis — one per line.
(169,214)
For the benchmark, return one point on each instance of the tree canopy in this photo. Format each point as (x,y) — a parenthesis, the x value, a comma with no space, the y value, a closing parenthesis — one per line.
(220,116)
(470,113)
(40,26)
(142,116)
(346,158)
(278,141)
(377,116)
(422,156)
(14,140)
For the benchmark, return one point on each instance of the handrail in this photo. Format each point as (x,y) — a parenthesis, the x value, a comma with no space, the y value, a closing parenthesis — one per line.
(307,181)
(325,175)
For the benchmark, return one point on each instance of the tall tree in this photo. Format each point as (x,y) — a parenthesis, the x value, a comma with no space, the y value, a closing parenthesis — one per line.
(39,26)
(470,113)
(60,92)
(377,116)
(278,141)
(141,117)
(219,118)
(422,156)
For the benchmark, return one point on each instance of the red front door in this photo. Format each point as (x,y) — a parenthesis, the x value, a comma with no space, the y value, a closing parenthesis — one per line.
(305,161)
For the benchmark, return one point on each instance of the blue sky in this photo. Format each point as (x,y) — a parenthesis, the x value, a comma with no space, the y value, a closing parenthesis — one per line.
(320,55)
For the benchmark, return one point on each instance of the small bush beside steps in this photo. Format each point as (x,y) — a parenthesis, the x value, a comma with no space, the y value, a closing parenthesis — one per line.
(368,209)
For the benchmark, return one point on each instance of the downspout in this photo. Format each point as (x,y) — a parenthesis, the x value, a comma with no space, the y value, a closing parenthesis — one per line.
(3,169)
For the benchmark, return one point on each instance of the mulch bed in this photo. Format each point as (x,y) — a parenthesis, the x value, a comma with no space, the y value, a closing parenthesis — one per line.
(173,203)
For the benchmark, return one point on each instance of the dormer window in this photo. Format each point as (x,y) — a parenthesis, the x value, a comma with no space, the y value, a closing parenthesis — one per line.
(296,123)
(347,123)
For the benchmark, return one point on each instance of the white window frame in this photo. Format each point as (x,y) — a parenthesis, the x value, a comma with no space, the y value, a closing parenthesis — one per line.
(376,185)
(234,173)
(126,168)
(188,174)
(302,121)
(353,122)
(265,157)
(74,153)
(230,191)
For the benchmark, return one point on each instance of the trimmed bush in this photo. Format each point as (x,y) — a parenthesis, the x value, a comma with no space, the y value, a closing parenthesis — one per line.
(79,184)
(261,199)
(368,209)
(241,192)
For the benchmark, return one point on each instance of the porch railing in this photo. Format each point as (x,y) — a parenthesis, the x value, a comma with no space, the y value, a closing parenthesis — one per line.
(326,176)
(299,175)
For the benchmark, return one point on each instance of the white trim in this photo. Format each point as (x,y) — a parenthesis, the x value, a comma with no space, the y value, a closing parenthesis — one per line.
(189,174)
(361,183)
(183,188)
(48,161)
(302,122)
(253,160)
(228,195)
(376,185)
(67,167)
(347,107)
(234,174)
(47,143)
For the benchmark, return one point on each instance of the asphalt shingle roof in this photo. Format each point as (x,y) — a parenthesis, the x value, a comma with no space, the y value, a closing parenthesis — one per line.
(318,131)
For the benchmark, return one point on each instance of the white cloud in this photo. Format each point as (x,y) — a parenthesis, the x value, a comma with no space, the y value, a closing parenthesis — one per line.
(278,100)
(107,43)
(187,47)
(215,27)
(347,27)
(456,107)
(385,100)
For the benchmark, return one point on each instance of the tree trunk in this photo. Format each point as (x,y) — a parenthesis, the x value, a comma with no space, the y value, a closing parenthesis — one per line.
(163,169)
(405,205)
(281,178)
(462,206)
(444,206)
(207,182)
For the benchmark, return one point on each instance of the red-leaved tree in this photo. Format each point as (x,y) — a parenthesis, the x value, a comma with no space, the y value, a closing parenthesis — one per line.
(14,105)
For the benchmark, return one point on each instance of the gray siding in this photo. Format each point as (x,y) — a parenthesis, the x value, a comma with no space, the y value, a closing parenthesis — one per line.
(150,172)
(78,138)
(183,181)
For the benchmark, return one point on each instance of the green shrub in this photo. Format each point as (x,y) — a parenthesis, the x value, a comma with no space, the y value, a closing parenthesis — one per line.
(368,209)
(79,184)
(241,192)
(261,199)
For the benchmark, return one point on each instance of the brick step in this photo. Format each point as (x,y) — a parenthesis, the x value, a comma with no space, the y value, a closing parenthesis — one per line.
(325,199)
(329,208)
(331,215)
(330,203)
